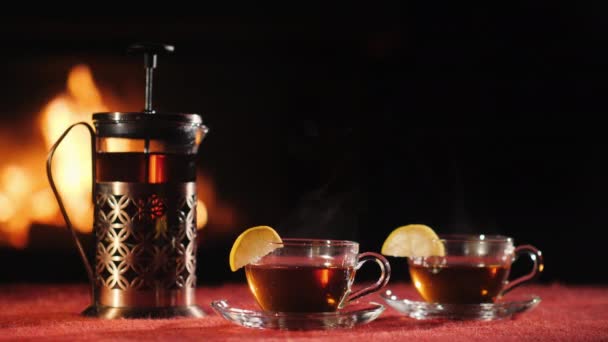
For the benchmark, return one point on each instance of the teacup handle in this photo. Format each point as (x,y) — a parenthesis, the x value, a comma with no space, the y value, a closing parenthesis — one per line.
(537,259)
(385,274)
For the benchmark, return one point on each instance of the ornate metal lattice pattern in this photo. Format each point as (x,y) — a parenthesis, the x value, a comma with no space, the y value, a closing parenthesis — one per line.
(146,236)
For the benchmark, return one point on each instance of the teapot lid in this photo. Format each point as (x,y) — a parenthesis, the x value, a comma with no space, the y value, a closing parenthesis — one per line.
(121,117)
(145,125)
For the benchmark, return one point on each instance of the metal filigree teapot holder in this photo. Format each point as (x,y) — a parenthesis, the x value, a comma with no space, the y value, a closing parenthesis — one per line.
(144,193)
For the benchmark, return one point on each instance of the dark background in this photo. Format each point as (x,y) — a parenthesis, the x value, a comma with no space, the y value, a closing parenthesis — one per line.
(468,119)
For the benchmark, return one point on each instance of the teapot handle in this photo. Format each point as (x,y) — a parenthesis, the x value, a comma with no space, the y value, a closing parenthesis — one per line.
(68,223)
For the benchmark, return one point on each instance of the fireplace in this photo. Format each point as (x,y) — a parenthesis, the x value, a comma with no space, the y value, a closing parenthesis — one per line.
(60,83)
(335,127)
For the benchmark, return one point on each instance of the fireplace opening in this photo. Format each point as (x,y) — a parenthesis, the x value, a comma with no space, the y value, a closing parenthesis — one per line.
(328,128)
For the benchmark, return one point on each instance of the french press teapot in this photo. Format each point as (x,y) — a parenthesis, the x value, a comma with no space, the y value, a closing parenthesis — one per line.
(144,193)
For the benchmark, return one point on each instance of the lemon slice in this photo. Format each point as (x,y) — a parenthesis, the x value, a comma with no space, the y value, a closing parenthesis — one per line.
(251,245)
(413,240)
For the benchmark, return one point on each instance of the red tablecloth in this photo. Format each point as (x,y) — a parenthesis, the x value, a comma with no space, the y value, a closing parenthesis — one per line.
(34,312)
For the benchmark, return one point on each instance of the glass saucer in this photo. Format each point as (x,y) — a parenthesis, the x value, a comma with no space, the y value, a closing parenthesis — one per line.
(504,308)
(353,314)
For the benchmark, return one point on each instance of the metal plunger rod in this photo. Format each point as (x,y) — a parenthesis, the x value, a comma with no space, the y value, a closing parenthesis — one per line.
(150,64)
(150,52)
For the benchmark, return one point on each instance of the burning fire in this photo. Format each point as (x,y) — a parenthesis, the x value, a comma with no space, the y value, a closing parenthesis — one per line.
(25,196)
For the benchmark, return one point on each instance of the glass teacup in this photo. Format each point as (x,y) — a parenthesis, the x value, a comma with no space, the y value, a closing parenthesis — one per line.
(474,269)
(308,275)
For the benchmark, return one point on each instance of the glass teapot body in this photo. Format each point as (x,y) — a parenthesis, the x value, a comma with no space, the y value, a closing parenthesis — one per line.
(144,194)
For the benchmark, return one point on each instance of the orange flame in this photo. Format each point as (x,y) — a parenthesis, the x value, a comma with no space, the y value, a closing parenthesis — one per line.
(25,199)
(72,171)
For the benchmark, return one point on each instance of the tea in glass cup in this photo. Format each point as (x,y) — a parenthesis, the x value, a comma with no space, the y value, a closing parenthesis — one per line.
(473,269)
(308,275)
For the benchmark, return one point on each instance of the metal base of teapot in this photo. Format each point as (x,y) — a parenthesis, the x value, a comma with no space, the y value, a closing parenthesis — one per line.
(109,312)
